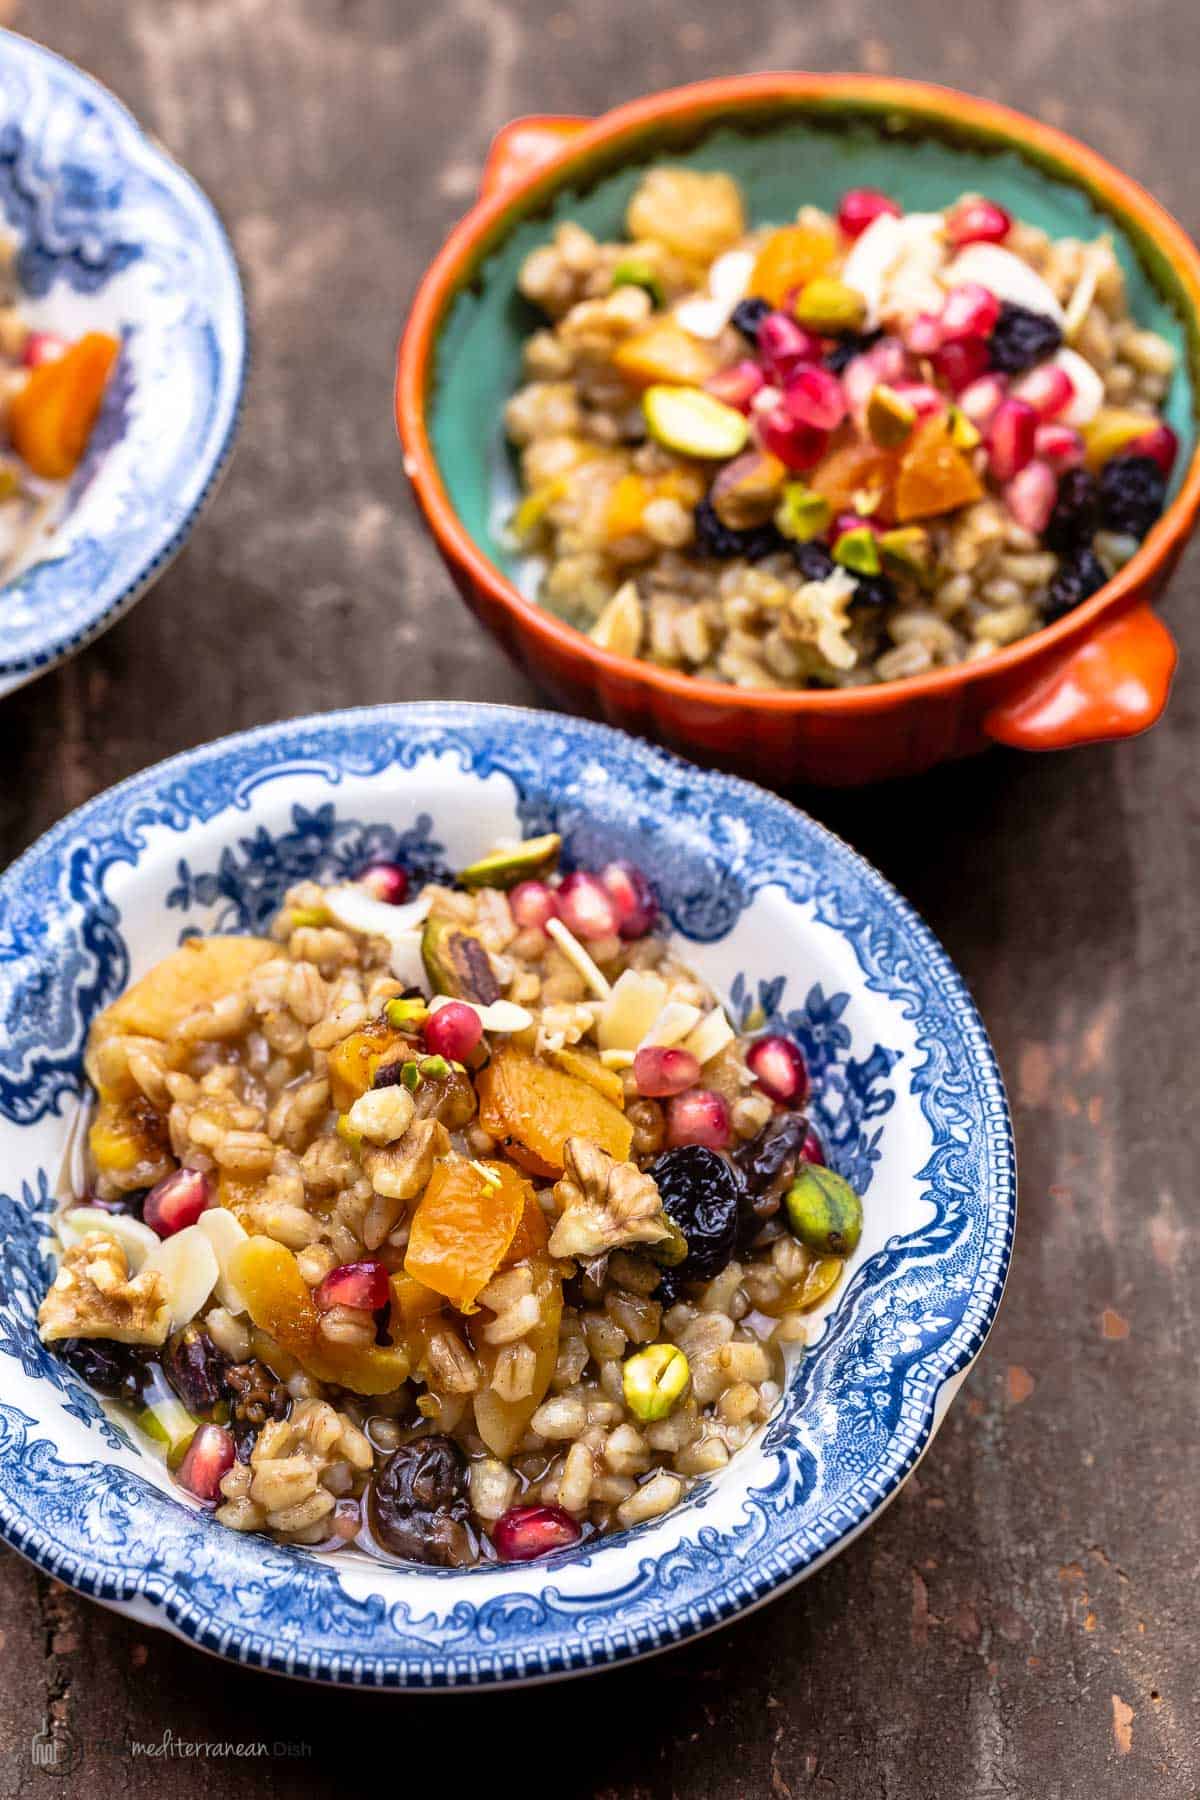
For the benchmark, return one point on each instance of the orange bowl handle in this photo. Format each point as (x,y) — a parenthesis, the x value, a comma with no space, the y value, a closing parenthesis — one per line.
(522,146)
(1113,685)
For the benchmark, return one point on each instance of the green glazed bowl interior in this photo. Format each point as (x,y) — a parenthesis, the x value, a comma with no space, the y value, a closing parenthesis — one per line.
(809,153)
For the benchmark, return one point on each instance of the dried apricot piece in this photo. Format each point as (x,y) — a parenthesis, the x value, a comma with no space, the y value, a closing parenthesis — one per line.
(268,1277)
(533,1109)
(790,257)
(355,1062)
(855,472)
(664,351)
(935,477)
(466,1220)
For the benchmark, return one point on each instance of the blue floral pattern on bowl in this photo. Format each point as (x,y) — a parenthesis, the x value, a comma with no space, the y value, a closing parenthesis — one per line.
(113,236)
(781,916)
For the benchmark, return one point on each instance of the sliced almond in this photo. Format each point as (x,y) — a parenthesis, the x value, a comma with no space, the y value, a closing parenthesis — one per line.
(136,1240)
(637,998)
(224,1233)
(618,1059)
(188,1265)
(502,1015)
(578,958)
(672,1025)
(710,1036)
(619,627)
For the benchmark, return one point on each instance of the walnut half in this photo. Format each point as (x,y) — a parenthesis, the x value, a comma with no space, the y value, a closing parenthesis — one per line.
(604,1204)
(94,1296)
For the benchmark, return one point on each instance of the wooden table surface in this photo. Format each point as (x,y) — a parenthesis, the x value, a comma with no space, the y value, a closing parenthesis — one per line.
(1022,1621)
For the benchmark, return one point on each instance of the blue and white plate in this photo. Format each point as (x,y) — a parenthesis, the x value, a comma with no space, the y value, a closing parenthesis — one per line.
(113,237)
(774,910)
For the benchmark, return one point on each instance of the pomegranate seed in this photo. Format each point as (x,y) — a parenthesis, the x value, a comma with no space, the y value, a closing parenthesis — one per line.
(586,908)
(453,1031)
(885,362)
(1061,447)
(812,1150)
(977,222)
(660,1072)
(699,1117)
(737,386)
(1160,444)
(860,207)
(385,881)
(177,1201)
(779,1069)
(1010,438)
(1048,389)
(815,397)
(633,897)
(961,364)
(524,1532)
(360,1284)
(923,398)
(924,335)
(797,446)
(1031,494)
(209,1457)
(783,346)
(42,347)
(971,311)
(981,400)
(532,903)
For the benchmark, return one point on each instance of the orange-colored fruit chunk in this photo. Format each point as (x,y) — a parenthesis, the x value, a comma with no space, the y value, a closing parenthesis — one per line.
(466,1220)
(854,471)
(533,1109)
(791,256)
(664,351)
(531,1236)
(277,1295)
(354,1062)
(935,477)
(50,419)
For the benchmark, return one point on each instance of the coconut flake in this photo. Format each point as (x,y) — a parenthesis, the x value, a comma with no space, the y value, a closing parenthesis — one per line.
(870,260)
(706,315)
(406,961)
(1079,305)
(578,958)
(1088,397)
(136,1240)
(502,1015)
(1007,276)
(637,998)
(357,910)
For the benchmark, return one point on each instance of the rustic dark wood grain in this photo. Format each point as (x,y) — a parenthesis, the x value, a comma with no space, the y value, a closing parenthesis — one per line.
(1022,1621)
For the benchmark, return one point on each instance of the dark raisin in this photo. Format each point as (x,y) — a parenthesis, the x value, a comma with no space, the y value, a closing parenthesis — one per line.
(116,1370)
(748,315)
(255,1396)
(701,1193)
(1076,515)
(1021,338)
(848,346)
(390,1075)
(715,539)
(766,1165)
(873,590)
(131,1202)
(196,1369)
(813,560)
(1077,578)
(418,1503)
(1132,492)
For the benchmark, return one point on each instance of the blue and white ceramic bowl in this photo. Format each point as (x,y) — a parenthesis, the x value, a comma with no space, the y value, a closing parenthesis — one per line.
(774,911)
(114,237)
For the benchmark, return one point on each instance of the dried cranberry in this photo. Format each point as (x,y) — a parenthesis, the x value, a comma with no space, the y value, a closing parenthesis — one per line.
(1021,338)
(1076,580)
(196,1369)
(418,1502)
(813,560)
(766,1165)
(873,590)
(749,314)
(701,1193)
(116,1370)
(1076,514)
(1132,492)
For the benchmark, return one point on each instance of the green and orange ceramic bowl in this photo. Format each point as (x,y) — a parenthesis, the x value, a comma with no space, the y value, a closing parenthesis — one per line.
(1101,672)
